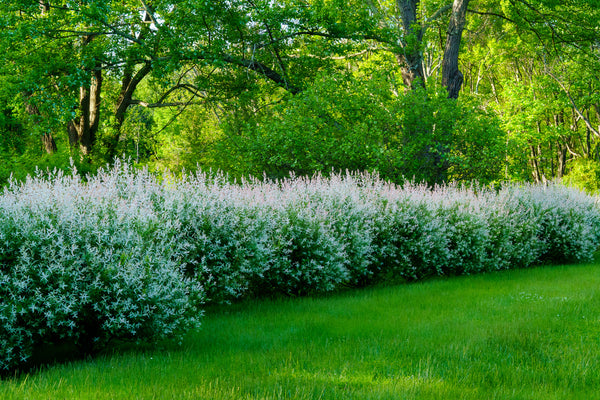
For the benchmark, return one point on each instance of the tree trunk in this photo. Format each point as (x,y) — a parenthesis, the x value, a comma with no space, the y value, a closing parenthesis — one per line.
(588,138)
(411,58)
(49,143)
(452,78)
(83,130)
(47,139)
(129,84)
(562,160)
(535,167)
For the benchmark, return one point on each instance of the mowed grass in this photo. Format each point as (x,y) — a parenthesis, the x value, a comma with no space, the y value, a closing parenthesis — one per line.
(525,334)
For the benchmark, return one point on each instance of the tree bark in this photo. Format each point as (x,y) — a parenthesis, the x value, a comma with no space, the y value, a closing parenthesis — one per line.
(83,130)
(47,139)
(49,143)
(588,138)
(129,84)
(452,78)
(562,160)
(411,58)
(535,167)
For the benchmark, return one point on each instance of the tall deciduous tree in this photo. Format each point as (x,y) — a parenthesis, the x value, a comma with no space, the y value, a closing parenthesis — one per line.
(410,58)
(125,43)
(410,20)
(452,78)
(537,62)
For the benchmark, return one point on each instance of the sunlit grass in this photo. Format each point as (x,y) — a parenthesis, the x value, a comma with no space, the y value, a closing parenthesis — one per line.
(525,334)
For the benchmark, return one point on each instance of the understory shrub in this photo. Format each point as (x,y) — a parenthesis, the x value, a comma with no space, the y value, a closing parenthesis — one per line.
(130,255)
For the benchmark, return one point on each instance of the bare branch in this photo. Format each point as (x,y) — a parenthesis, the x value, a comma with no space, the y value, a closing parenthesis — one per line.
(68,33)
(112,29)
(573,153)
(263,70)
(174,117)
(185,86)
(161,105)
(492,14)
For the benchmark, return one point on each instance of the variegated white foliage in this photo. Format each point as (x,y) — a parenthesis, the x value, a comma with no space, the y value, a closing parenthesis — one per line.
(128,254)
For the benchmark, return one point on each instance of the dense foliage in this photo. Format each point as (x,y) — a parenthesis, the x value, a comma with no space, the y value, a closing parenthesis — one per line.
(356,124)
(298,86)
(128,255)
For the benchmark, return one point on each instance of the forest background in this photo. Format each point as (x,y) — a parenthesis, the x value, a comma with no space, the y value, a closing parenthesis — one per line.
(432,90)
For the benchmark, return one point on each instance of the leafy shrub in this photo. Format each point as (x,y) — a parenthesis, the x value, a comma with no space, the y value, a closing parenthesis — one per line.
(131,255)
(225,246)
(567,222)
(82,266)
(410,241)
(513,240)
(307,257)
(584,174)
(347,122)
(354,230)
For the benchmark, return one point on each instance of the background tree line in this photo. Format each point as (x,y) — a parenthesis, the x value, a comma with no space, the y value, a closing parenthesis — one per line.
(431,90)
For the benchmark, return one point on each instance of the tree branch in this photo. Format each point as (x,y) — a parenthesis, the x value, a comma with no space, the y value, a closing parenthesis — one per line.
(174,117)
(492,14)
(344,57)
(595,131)
(439,12)
(113,30)
(58,33)
(263,70)
(325,35)
(149,13)
(186,86)
(161,105)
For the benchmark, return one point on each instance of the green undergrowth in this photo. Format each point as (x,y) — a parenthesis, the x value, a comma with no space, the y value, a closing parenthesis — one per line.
(519,334)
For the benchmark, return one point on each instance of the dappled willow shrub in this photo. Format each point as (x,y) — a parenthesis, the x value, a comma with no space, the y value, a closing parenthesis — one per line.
(566,220)
(307,256)
(130,255)
(224,247)
(82,265)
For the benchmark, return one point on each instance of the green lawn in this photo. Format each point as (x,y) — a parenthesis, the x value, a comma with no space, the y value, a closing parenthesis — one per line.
(526,334)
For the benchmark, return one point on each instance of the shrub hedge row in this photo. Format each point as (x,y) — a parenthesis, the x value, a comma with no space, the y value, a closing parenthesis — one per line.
(131,255)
